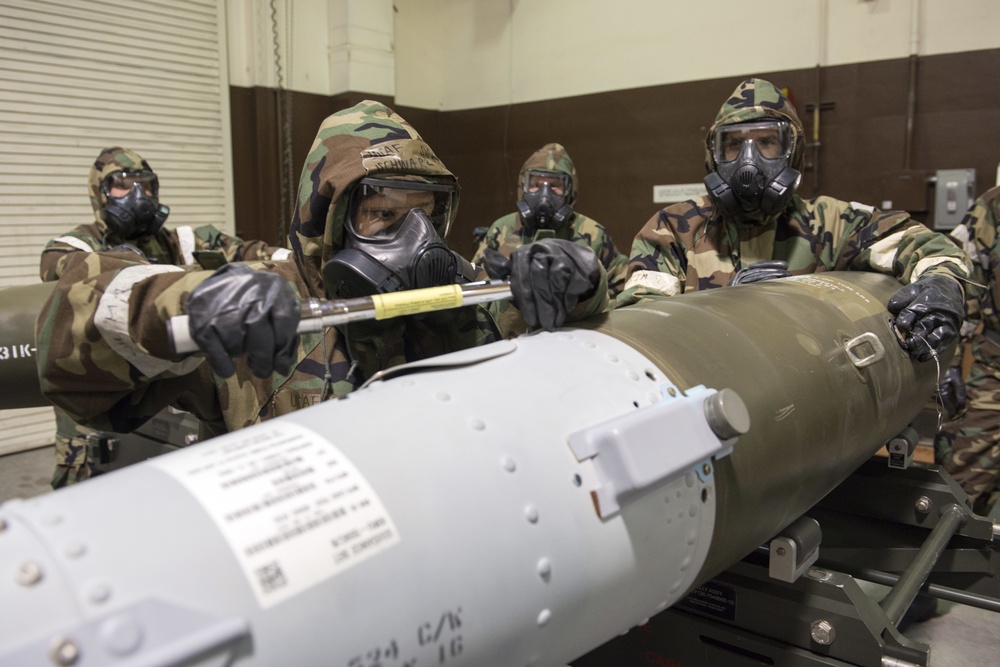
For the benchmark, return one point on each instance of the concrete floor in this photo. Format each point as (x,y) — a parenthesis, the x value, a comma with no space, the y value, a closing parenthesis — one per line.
(960,636)
(26,474)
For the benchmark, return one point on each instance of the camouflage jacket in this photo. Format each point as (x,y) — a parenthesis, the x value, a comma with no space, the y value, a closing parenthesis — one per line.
(509,233)
(114,373)
(688,246)
(104,354)
(692,245)
(167,246)
(978,236)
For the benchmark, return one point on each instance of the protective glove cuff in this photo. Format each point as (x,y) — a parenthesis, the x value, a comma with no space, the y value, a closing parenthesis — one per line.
(759,271)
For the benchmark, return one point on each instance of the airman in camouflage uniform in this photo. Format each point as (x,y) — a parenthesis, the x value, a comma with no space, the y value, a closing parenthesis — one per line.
(696,244)
(969,448)
(162,246)
(752,226)
(515,229)
(104,353)
(158,246)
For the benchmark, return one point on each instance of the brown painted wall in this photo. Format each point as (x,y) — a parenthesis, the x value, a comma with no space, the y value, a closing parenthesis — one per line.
(258,157)
(625,142)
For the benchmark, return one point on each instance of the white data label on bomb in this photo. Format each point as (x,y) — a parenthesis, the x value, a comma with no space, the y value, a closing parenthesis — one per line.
(280,495)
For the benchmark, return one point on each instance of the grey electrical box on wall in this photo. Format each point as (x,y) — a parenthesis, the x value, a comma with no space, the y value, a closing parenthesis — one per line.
(954,193)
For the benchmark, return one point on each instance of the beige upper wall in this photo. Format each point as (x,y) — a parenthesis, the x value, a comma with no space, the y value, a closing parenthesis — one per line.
(494,52)
(323,46)
(461,54)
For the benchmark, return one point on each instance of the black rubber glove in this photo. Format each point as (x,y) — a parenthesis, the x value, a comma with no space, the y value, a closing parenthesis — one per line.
(952,392)
(239,311)
(928,314)
(547,278)
(496,265)
(758,271)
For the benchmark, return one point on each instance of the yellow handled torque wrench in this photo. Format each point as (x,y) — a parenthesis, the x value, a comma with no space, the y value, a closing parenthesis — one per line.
(318,314)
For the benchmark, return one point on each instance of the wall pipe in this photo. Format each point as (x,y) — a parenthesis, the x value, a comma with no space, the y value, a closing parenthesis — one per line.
(911,101)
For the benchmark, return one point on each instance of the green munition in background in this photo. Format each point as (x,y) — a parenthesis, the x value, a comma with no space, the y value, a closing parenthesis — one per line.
(19,306)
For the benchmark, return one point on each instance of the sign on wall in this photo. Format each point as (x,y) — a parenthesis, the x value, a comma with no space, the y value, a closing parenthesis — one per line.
(668,194)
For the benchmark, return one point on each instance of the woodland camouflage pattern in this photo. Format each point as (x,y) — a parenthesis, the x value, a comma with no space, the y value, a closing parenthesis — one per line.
(164,247)
(969,448)
(690,246)
(72,464)
(552,157)
(509,232)
(83,372)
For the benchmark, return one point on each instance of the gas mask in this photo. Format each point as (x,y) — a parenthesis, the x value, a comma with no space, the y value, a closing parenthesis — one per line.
(547,199)
(752,178)
(136,213)
(393,240)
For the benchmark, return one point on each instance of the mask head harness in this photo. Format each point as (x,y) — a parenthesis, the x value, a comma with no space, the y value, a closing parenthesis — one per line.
(547,199)
(394,239)
(752,176)
(132,207)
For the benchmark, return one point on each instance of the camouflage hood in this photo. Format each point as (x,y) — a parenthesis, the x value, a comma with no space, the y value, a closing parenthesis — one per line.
(552,157)
(368,139)
(756,100)
(108,162)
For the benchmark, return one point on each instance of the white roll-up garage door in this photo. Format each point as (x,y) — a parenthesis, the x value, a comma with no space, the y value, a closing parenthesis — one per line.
(77,76)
